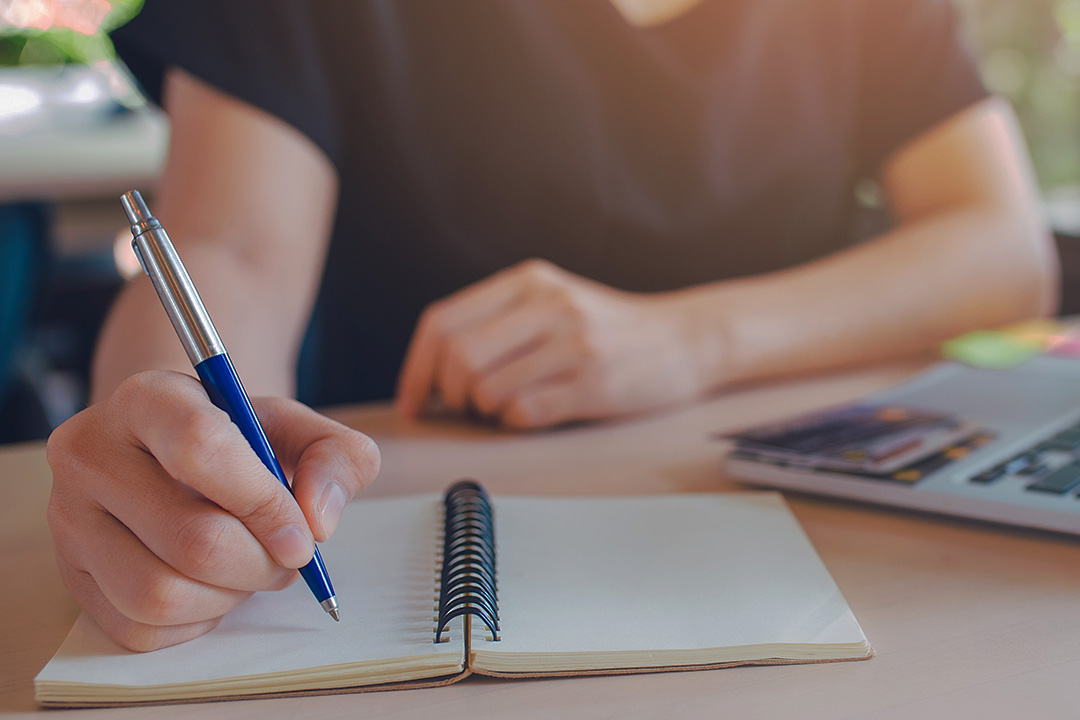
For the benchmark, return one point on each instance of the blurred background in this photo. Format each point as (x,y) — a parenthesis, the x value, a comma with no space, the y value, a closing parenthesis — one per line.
(75,133)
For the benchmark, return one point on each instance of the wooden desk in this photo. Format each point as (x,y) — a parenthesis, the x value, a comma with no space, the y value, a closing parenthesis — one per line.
(968,619)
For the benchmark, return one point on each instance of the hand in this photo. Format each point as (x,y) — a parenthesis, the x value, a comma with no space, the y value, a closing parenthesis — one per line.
(164,518)
(534,346)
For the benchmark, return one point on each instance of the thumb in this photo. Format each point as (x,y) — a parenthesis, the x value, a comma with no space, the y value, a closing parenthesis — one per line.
(329,462)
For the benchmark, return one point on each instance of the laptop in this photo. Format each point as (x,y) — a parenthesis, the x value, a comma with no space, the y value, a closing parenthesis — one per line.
(1005,446)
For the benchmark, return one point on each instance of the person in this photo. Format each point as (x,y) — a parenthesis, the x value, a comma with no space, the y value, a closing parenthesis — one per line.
(586,209)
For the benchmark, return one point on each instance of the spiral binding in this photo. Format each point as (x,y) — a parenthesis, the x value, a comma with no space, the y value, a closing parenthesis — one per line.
(467,581)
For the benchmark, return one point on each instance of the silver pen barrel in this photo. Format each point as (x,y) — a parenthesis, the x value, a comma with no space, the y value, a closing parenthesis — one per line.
(170,278)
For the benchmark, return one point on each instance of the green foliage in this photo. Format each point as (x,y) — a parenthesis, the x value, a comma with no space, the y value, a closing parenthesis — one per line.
(1029,52)
(61,45)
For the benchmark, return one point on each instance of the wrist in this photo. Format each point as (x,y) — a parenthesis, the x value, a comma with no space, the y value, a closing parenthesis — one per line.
(705,328)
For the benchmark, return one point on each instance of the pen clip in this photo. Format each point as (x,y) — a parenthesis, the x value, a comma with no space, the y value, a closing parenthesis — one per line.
(138,256)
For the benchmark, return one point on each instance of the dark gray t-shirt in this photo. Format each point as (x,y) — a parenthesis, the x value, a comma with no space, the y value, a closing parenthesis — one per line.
(471,134)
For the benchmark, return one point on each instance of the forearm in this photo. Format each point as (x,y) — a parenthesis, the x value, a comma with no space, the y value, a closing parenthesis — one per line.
(248,202)
(261,328)
(901,293)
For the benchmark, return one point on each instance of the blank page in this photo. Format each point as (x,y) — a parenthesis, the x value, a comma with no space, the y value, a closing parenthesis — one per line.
(660,573)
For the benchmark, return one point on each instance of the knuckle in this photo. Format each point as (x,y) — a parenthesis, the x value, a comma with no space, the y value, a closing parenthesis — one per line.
(61,518)
(204,547)
(57,444)
(158,601)
(572,308)
(203,438)
(137,637)
(202,429)
(537,269)
(140,385)
(130,387)
(68,507)
(56,516)
(433,318)
(141,638)
(70,448)
(273,507)
(272,408)
(63,527)
(61,452)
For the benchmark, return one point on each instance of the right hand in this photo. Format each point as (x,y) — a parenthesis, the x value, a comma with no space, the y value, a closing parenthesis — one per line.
(164,518)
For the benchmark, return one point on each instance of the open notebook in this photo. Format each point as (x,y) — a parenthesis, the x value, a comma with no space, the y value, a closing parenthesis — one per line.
(580,586)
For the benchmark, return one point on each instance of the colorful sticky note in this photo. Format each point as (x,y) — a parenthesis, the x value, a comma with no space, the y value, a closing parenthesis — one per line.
(1005,347)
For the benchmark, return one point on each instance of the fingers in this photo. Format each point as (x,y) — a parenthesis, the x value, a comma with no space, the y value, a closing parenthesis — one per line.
(198,445)
(132,634)
(164,518)
(549,404)
(178,525)
(132,579)
(492,392)
(468,308)
(329,462)
(465,337)
(552,347)
(471,356)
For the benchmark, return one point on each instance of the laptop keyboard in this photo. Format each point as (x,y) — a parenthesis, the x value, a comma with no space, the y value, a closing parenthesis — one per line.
(1051,466)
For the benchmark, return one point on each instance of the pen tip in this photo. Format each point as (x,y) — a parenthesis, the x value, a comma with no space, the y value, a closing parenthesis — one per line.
(334,614)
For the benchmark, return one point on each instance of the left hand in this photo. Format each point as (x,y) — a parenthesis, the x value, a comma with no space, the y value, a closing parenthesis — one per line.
(535,346)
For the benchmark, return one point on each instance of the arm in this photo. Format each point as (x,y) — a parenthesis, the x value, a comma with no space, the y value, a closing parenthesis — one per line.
(248,202)
(536,346)
(163,517)
(970,250)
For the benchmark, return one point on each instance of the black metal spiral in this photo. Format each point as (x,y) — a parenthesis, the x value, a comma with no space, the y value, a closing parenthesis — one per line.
(467,580)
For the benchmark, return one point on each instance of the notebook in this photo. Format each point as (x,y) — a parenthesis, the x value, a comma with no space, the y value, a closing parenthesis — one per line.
(994,444)
(433,589)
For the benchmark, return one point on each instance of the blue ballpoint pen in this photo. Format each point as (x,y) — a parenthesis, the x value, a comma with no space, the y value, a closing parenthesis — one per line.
(207,353)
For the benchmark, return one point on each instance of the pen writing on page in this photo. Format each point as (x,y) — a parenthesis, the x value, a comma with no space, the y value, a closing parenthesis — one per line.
(207,354)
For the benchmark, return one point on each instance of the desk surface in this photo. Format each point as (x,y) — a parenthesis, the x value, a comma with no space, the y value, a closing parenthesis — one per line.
(968,619)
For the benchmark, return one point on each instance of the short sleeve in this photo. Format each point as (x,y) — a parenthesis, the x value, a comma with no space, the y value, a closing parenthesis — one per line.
(264,52)
(915,73)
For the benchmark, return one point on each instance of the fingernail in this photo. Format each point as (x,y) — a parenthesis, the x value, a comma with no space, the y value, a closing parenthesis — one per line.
(291,546)
(331,504)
